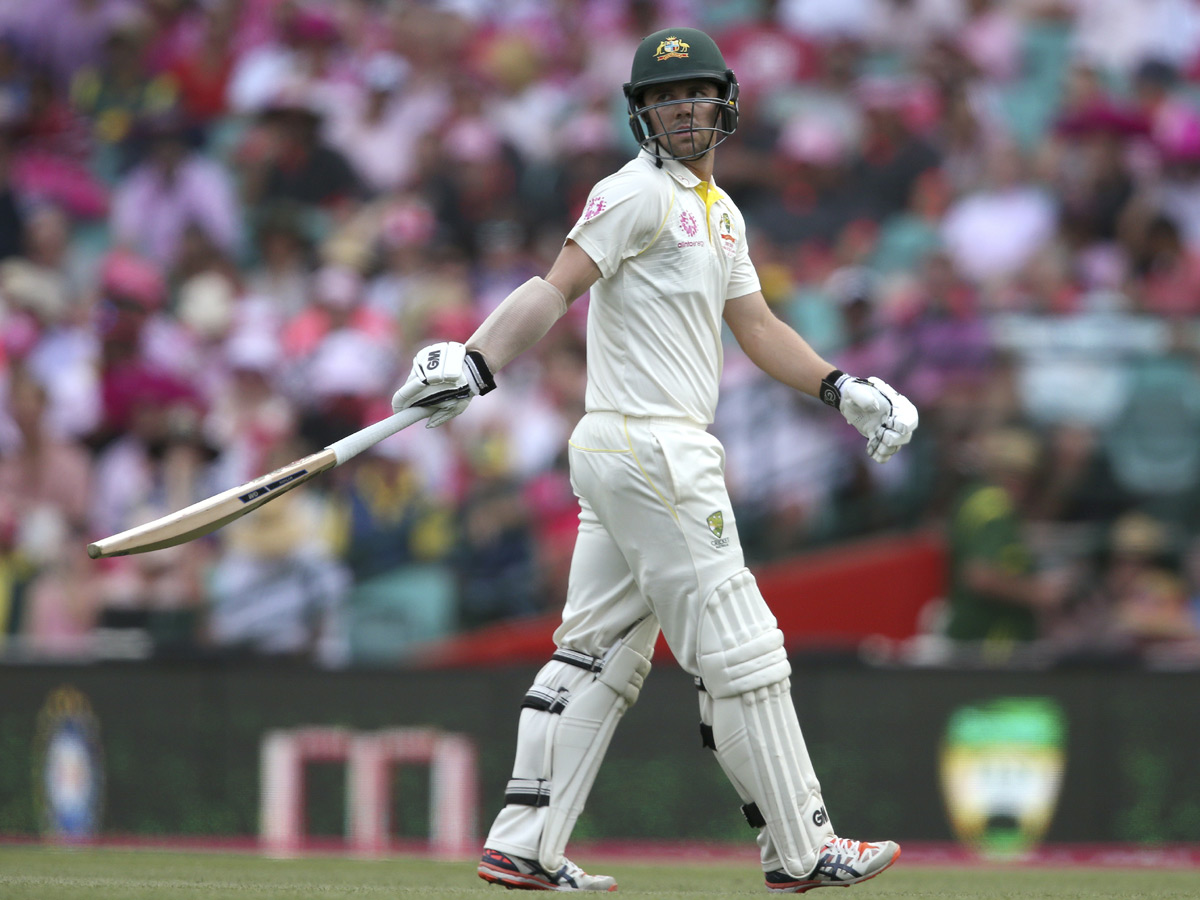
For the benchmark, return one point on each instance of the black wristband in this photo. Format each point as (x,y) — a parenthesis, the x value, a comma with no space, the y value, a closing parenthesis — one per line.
(480,371)
(830,395)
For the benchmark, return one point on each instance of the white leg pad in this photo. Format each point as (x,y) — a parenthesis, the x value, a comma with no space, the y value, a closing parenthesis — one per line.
(755,730)
(766,846)
(570,715)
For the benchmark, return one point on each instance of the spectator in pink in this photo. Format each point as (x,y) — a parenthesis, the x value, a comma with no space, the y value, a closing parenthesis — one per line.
(174,187)
(140,345)
(65,35)
(201,63)
(380,129)
(1177,193)
(948,347)
(990,234)
(309,54)
(44,489)
(1167,272)
(52,153)
(40,468)
(337,294)
(281,275)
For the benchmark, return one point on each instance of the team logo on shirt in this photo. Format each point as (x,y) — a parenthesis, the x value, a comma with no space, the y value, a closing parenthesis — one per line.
(728,238)
(595,206)
(690,226)
(672,48)
(716,524)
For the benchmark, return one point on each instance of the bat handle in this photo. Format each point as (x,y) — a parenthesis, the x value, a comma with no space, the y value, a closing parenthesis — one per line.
(353,444)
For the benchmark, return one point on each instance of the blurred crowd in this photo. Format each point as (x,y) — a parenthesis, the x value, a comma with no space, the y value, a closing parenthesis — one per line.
(226,225)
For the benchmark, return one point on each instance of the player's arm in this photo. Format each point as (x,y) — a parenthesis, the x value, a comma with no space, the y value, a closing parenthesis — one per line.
(526,314)
(773,345)
(884,417)
(448,375)
(623,213)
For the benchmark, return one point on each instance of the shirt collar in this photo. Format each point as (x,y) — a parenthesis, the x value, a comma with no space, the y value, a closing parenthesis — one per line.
(677,170)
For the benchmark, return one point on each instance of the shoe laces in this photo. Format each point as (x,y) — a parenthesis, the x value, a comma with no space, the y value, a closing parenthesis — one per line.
(848,847)
(571,869)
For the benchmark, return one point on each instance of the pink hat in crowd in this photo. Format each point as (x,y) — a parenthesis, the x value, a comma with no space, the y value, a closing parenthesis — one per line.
(337,287)
(252,350)
(125,274)
(407,224)
(312,25)
(1179,140)
(136,386)
(808,139)
(1103,117)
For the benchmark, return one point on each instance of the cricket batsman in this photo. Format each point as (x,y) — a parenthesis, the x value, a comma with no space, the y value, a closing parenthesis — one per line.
(663,251)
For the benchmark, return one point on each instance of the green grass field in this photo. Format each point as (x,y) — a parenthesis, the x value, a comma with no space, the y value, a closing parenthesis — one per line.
(37,873)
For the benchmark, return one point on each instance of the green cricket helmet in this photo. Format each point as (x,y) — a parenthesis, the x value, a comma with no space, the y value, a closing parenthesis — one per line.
(679,54)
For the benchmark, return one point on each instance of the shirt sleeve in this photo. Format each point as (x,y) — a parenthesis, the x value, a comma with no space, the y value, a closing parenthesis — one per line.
(623,215)
(743,277)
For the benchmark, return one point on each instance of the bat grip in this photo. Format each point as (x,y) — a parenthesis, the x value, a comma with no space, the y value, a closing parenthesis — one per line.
(353,444)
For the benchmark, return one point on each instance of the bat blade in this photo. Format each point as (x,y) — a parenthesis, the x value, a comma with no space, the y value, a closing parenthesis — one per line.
(208,515)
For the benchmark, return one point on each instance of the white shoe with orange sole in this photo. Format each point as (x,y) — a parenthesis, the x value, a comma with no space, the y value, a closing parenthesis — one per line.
(841,863)
(516,872)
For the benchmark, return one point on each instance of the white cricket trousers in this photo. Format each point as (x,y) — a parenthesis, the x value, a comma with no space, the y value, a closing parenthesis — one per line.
(658,544)
(656,531)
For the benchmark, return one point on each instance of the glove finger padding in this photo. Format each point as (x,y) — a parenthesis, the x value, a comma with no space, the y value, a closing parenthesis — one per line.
(863,405)
(447,411)
(438,379)
(896,428)
(884,444)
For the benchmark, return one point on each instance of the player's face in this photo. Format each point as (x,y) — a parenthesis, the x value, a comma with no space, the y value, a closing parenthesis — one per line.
(684,126)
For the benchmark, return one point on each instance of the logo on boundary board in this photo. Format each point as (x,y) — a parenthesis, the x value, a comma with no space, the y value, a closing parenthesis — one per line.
(68,767)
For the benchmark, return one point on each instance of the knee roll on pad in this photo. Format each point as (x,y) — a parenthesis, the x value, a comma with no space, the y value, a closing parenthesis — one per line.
(739,645)
(626,665)
(568,720)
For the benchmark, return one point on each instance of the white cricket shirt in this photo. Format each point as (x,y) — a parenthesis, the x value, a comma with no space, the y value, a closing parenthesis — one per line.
(671,250)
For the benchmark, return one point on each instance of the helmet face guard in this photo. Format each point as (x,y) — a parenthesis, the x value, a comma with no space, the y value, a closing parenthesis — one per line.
(649,128)
(675,55)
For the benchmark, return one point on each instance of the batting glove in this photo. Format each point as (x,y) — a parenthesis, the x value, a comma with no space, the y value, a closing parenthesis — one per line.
(887,419)
(445,376)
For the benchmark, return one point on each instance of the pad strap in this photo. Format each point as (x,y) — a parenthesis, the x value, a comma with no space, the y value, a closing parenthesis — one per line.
(754,817)
(580,660)
(546,699)
(528,792)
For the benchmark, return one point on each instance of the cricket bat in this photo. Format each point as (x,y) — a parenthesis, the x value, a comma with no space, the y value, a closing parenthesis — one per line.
(208,515)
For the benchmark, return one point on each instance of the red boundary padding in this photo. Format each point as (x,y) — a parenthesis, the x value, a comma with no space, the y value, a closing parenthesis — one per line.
(828,599)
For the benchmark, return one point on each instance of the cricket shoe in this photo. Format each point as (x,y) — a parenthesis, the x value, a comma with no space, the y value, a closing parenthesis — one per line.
(516,872)
(841,863)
